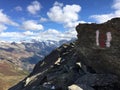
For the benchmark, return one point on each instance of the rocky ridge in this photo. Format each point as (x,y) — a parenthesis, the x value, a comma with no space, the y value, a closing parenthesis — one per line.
(89,63)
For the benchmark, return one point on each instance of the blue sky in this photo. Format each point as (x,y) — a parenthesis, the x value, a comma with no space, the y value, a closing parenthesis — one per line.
(51,19)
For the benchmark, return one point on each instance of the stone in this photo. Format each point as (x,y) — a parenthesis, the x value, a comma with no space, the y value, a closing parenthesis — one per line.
(79,87)
(97,79)
(103,58)
(74,87)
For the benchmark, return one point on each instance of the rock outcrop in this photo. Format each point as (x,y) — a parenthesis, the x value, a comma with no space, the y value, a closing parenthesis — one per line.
(90,63)
(102,58)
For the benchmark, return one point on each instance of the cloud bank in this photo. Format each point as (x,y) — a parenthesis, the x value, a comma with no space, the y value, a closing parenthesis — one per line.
(50,34)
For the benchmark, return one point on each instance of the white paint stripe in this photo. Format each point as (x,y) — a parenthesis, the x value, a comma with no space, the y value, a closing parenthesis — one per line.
(109,38)
(97,37)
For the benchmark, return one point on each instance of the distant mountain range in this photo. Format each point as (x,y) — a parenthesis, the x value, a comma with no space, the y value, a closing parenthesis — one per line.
(26,54)
(17,59)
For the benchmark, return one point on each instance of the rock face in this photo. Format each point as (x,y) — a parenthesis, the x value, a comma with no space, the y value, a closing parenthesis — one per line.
(101,57)
(90,63)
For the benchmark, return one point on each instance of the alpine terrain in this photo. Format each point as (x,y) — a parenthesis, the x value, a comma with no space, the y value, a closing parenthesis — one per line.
(92,62)
(18,59)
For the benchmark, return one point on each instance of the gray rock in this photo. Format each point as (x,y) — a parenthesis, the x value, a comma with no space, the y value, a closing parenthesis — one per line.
(97,79)
(101,58)
(79,87)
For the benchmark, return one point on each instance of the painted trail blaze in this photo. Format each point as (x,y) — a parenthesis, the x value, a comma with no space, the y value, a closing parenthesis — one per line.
(102,40)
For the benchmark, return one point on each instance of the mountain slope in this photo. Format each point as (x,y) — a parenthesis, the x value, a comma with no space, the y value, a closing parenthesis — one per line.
(10,75)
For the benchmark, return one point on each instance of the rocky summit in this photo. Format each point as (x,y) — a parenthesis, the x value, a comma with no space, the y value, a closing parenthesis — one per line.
(92,62)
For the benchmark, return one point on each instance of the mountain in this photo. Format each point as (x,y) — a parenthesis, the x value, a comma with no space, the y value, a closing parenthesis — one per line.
(18,59)
(92,62)
(26,54)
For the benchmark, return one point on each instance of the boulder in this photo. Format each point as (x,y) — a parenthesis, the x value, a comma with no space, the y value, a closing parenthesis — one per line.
(99,46)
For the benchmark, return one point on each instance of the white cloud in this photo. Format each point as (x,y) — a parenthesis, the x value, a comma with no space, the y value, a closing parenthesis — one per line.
(102,18)
(116,5)
(4,19)
(34,7)
(52,31)
(69,34)
(64,14)
(58,4)
(2,27)
(105,17)
(73,24)
(28,33)
(18,8)
(43,19)
(16,36)
(50,34)
(10,34)
(31,25)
